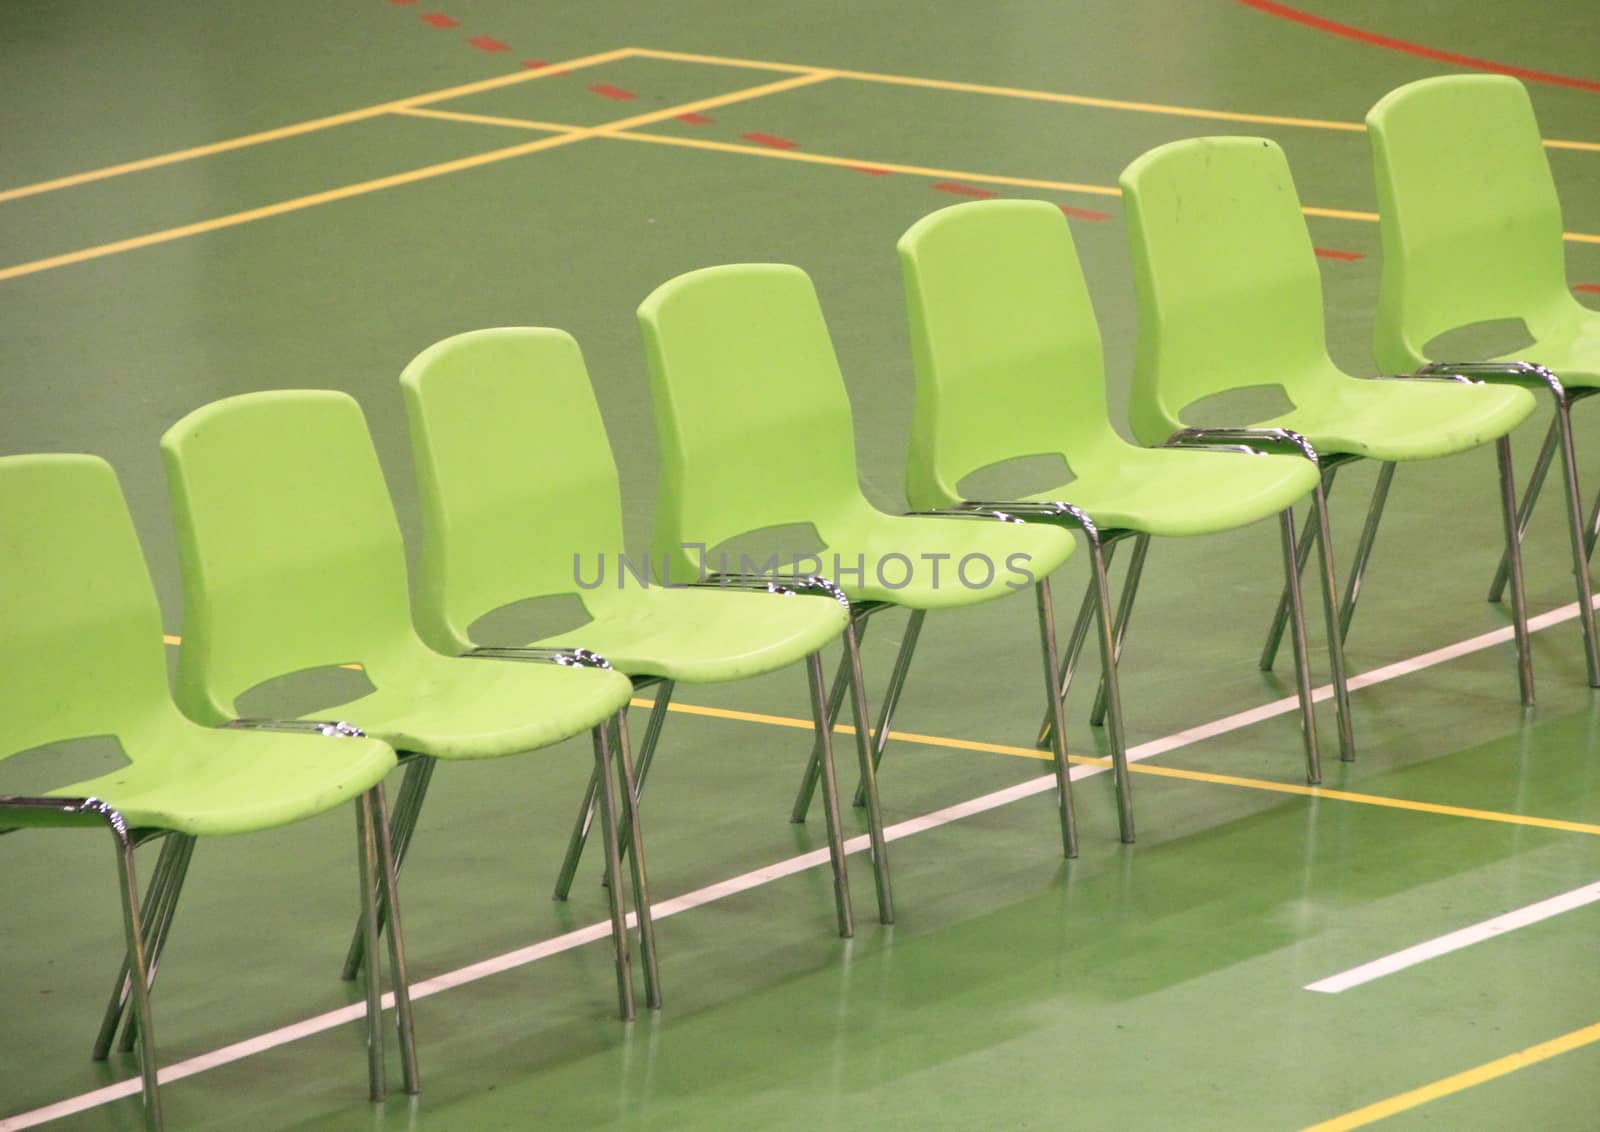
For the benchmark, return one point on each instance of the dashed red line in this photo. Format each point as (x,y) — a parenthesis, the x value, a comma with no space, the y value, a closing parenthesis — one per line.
(535,64)
(616,93)
(1083,213)
(772,141)
(439,20)
(488,43)
(696,119)
(870,170)
(1283,12)
(961,190)
(1336,253)
(1588,288)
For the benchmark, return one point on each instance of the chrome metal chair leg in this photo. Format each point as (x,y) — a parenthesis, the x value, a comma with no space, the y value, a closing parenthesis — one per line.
(632,835)
(407,808)
(585,822)
(1369,534)
(149,915)
(398,975)
(1130,590)
(836,690)
(608,837)
(1110,638)
(869,761)
(159,927)
(1330,614)
(1280,616)
(891,694)
(1058,729)
(367,854)
(830,797)
(1069,659)
(1302,658)
(1541,468)
(1519,605)
(128,885)
(1580,553)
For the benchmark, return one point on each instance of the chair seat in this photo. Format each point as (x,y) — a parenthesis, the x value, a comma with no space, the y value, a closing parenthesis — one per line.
(932,549)
(205,782)
(1574,356)
(1406,420)
(1171,492)
(703,635)
(461,708)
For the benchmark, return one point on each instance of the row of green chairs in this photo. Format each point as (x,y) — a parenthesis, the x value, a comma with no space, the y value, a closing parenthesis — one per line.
(292,556)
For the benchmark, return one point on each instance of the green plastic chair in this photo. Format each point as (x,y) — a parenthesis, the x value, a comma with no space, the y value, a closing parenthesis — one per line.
(292,560)
(1009,365)
(1471,231)
(755,433)
(83,656)
(520,500)
(1229,296)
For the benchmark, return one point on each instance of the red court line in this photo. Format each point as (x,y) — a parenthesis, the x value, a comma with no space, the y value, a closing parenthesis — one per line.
(606,90)
(696,119)
(1083,213)
(1590,288)
(1284,12)
(772,140)
(868,169)
(535,64)
(963,190)
(488,43)
(439,20)
(1337,253)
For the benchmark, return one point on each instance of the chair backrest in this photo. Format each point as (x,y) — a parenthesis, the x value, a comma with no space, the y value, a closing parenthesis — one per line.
(751,409)
(514,474)
(1468,214)
(292,557)
(80,628)
(1226,281)
(1007,350)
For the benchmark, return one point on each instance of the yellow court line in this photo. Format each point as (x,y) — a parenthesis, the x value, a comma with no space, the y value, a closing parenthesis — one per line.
(1049,96)
(410,177)
(1260,784)
(481,119)
(1488,1071)
(312,125)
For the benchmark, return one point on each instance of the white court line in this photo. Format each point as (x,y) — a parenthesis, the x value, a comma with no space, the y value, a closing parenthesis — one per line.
(1456,940)
(758,877)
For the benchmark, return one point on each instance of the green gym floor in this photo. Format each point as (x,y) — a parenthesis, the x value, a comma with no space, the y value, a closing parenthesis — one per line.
(198,200)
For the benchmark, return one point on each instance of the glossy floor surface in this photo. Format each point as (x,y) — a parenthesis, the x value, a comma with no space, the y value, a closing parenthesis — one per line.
(200,200)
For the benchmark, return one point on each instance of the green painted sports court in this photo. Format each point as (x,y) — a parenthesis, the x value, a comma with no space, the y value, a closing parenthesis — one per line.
(199,201)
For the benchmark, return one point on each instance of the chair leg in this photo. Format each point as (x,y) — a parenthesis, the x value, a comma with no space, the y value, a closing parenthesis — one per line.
(1058,729)
(160,928)
(581,827)
(1130,589)
(159,900)
(367,856)
(1110,687)
(632,835)
(1541,468)
(808,780)
(1519,605)
(128,885)
(608,836)
(1069,659)
(1280,616)
(407,808)
(868,790)
(1580,550)
(1302,658)
(830,797)
(891,694)
(1369,535)
(1330,614)
(398,975)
